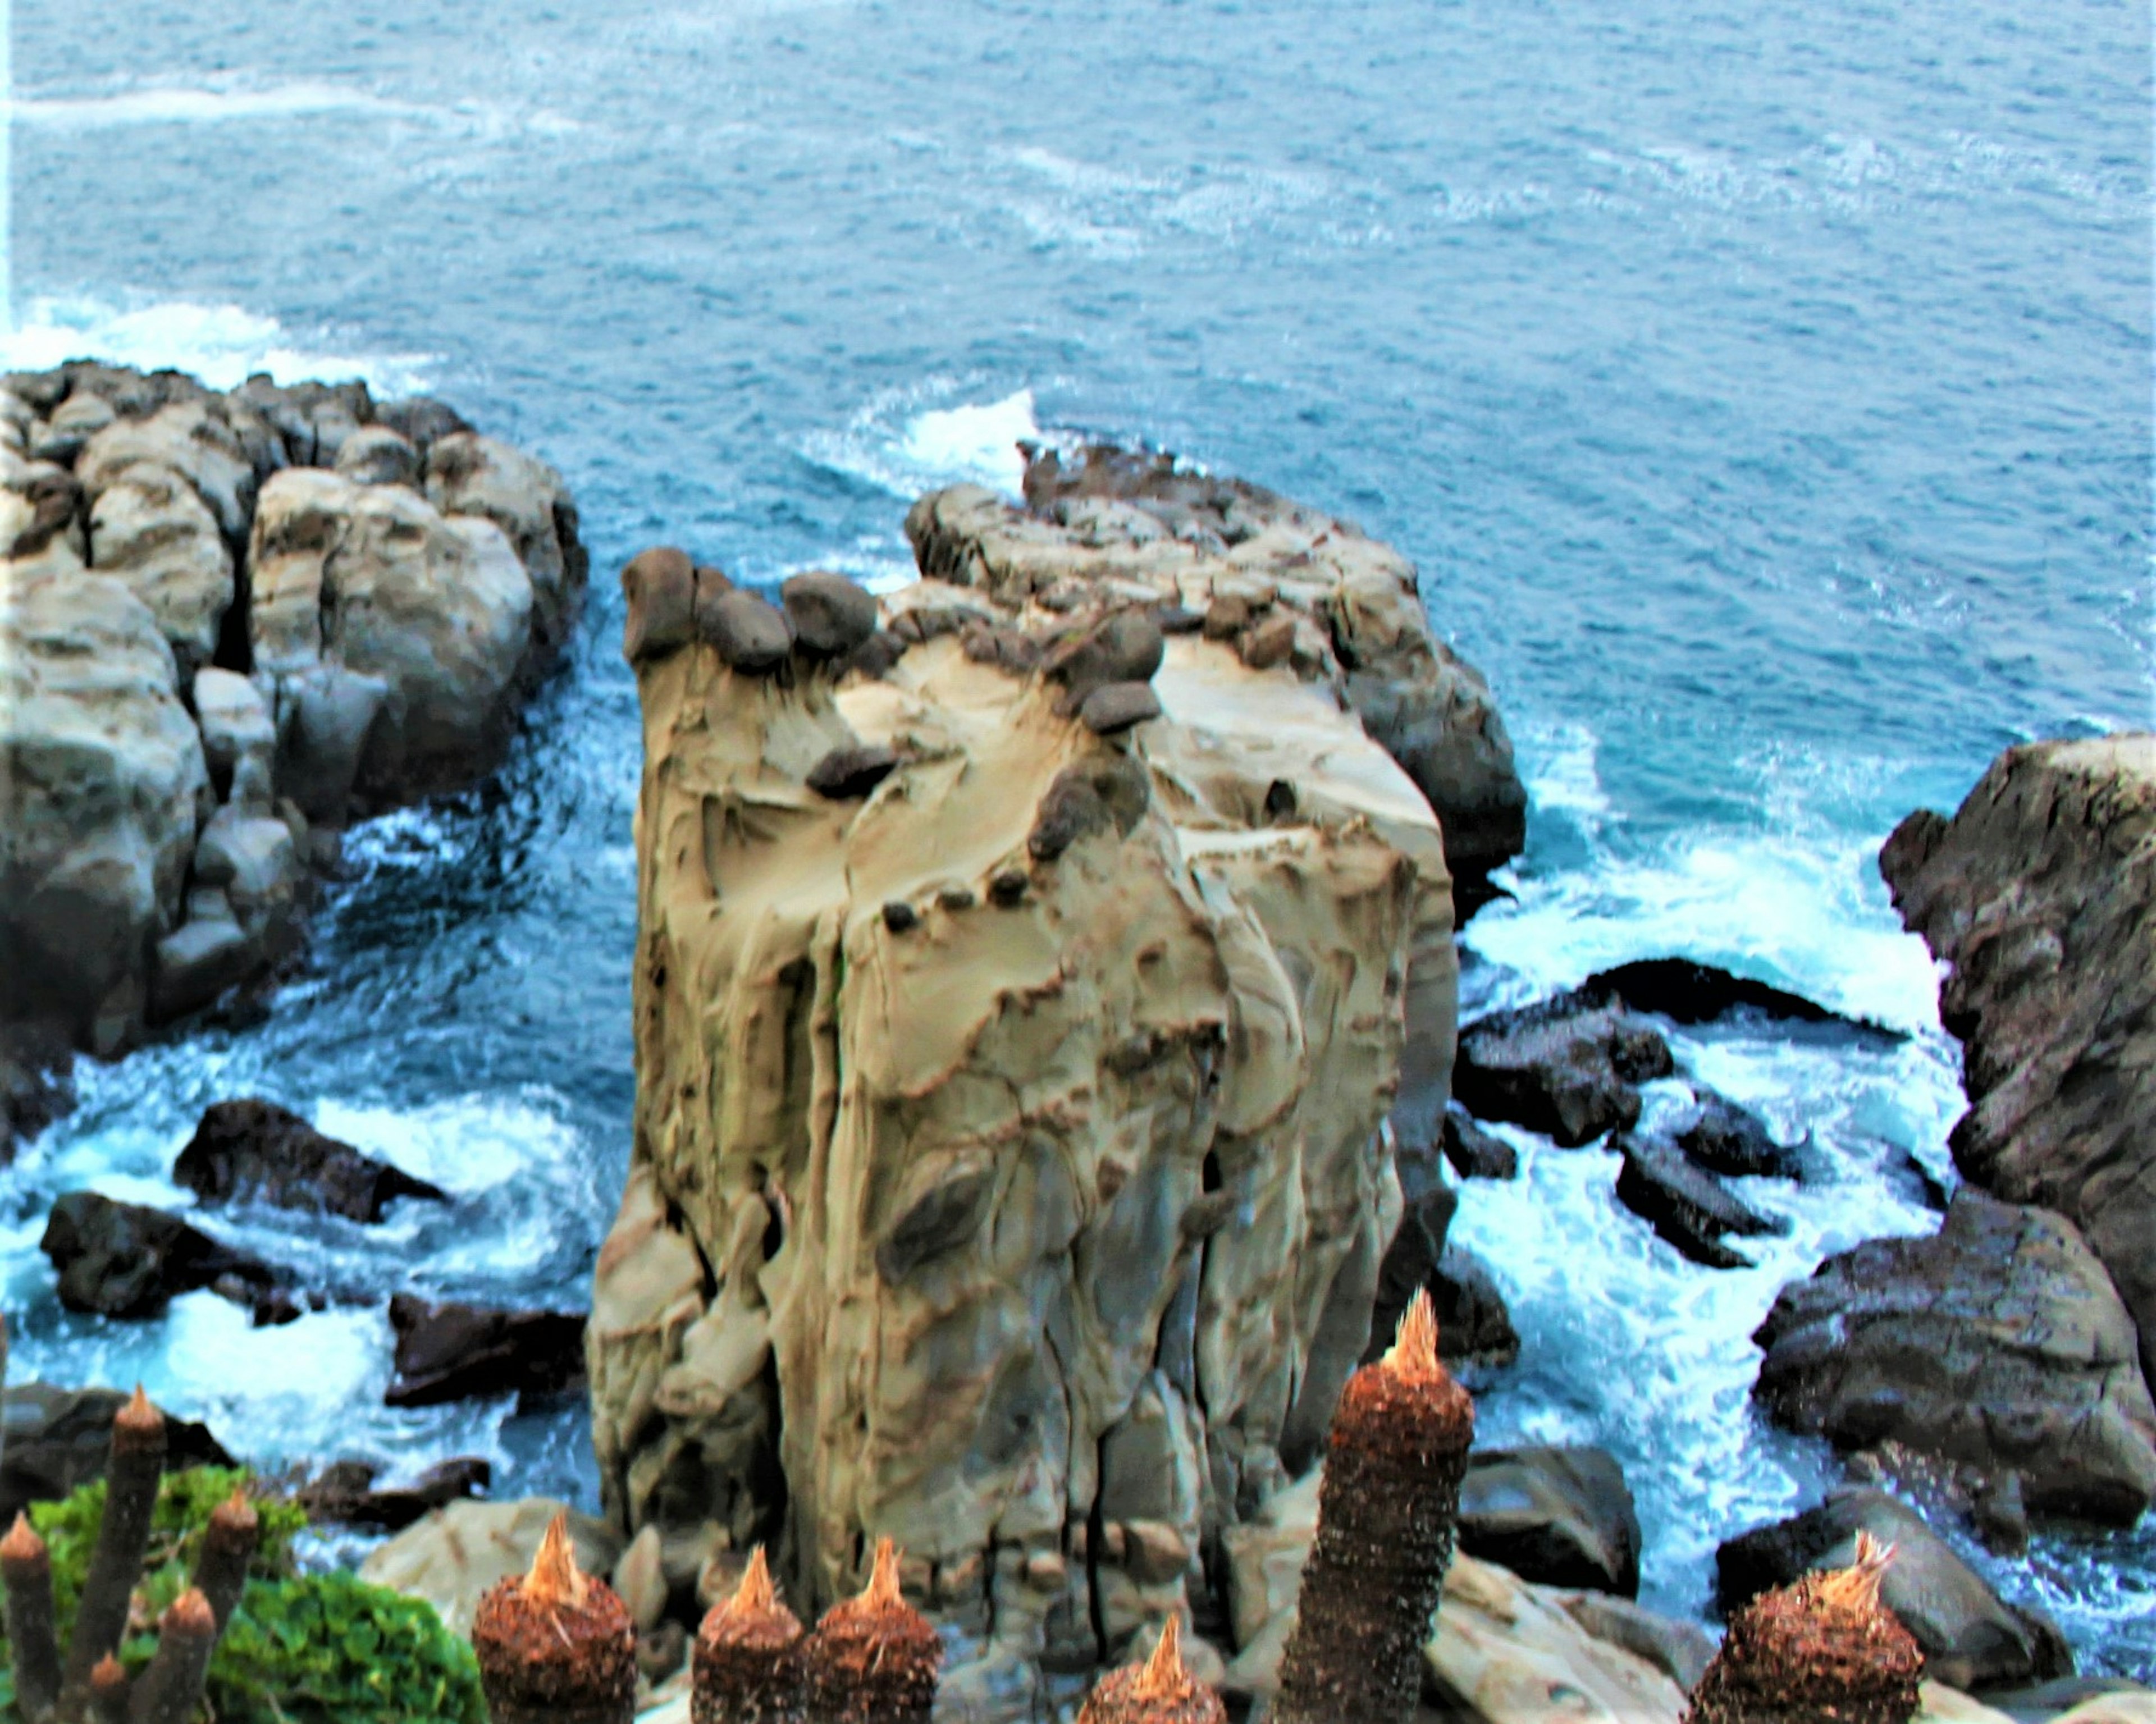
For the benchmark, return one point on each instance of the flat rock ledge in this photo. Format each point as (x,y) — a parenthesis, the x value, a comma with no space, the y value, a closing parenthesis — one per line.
(228,622)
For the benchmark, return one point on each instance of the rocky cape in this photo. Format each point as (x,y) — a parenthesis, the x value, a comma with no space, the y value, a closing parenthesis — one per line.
(229,622)
(1029,967)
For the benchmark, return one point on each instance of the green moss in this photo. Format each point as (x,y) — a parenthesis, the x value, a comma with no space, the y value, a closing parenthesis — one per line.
(301,1649)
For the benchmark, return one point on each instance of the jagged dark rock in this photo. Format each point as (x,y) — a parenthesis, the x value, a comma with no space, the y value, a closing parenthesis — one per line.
(256,1152)
(1561,1516)
(1689,1208)
(453,1352)
(118,1259)
(1566,1067)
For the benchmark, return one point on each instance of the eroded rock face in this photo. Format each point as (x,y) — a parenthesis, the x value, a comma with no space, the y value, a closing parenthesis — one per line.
(2041,893)
(1009,1173)
(1998,1342)
(211,647)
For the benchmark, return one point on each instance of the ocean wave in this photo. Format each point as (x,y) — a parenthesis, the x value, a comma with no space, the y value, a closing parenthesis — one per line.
(222,344)
(236,101)
(900,445)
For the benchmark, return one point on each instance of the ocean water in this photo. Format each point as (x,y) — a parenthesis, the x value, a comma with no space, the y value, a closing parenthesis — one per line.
(1764,391)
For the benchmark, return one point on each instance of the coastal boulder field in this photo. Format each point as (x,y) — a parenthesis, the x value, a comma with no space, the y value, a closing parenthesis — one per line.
(1029,963)
(231,623)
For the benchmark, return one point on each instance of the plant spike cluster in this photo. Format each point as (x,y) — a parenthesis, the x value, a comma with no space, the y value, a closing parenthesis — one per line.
(1161,1690)
(90,1685)
(555,1646)
(749,1665)
(1824,1651)
(1386,1514)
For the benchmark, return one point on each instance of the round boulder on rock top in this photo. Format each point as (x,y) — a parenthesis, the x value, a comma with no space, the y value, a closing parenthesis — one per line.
(1116,706)
(831,615)
(661,587)
(1127,647)
(750,633)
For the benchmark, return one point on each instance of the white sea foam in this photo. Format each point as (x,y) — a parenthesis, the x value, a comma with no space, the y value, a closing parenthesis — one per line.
(901,444)
(222,345)
(175,104)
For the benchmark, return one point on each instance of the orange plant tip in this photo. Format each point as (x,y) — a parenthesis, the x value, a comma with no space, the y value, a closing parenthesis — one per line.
(1414,1352)
(109,1674)
(882,1592)
(140,1414)
(555,1579)
(1165,1677)
(22,1544)
(1855,1589)
(236,1509)
(190,1613)
(756,1594)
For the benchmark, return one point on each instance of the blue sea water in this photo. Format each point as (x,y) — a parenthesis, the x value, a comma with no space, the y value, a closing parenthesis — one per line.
(1764,391)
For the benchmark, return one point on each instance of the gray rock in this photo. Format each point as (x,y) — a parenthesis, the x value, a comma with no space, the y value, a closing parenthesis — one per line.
(1116,706)
(421,420)
(1689,1208)
(1998,1342)
(250,1151)
(1473,1325)
(852,771)
(661,587)
(1127,647)
(375,454)
(1680,1650)
(1561,1516)
(831,615)
(1565,1067)
(330,712)
(198,963)
(752,633)
(1722,1137)
(58,1439)
(452,1351)
(1267,643)
(126,1261)
(73,423)
(1476,1153)
(236,724)
(1971,1638)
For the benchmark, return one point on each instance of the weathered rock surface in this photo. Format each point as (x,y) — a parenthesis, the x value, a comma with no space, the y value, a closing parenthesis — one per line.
(450,1351)
(1999,1343)
(1476,1153)
(981,1121)
(56,1440)
(1722,1137)
(1688,1207)
(1473,1325)
(200,623)
(1971,1638)
(1559,1517)
(345,1494)
(1277,583)
(127,1260)
(255,1151)
(1566,1067)
(455,1553)
(2040,894)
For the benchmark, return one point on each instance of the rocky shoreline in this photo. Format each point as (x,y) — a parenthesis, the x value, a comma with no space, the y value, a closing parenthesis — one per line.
(1050,1086)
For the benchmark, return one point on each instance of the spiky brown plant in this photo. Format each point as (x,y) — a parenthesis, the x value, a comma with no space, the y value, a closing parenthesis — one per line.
(1386,1512)
(26,1566)
(1824,1651)
(555,1646)
(131,1478)
(873,1659)
(1161,1690)
(748,1666)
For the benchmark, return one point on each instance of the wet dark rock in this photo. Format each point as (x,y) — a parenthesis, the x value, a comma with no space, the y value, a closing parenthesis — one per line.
(831,615)
(1998,1342)
(1127,647)
(1473,1325)
(1688,992)
(1689,1208)
(1565,1067)
(1116,706)
(1087,798)
(1476,1153)
(750,633)
(1971,1638)
(1561,1516)
(852,771)
(1007,887)
(661,587)
(53,1440)
(456,1352)
(35,1088)
(127,1260)
(874,657)
(344,1493)
(1723,1137)
(900,916)
(1009,649)
(255,1151)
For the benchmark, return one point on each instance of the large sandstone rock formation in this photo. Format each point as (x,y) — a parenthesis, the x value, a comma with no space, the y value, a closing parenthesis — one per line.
(2041,893)
(1020,997)
(211,646)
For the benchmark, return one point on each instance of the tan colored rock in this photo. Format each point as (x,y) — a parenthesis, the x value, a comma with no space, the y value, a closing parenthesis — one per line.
(371,579)
(2040,894)
(468,474)
(195,439)
(992,1152)
(150,529)
(453,1556)
(102,786)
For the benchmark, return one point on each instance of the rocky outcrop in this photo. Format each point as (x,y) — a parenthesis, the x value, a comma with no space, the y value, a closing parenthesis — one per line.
(345,1493)
(455,1553)
(60,1440)
(1687,1207)
(450,1351)
(1971,1638)
(117,1259)
(1011,1175)
(1562,1517)
(255,1151)
(212,647)
(1279,584)
(1566,1067)
(1998,1342)
(2040,894)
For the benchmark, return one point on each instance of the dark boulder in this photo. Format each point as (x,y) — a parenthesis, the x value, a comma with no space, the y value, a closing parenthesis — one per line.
(751,634)
(128,1260)
(344,1493)
(1971,1638)
(1125,647)
(53,1440)
(1114,707)
(660,586)
(1565,1067)
(831,615)
(1998,1342)
(1688,992)
(1476,1153)
(1559,1517)
(852,771)
(1689,1208)
(1680,1650)
(458,1352)
(255,1151)
(1722,1137)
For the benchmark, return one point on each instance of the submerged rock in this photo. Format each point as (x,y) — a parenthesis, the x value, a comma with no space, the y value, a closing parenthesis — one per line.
(1565,1067)
(255,1151)
(1689,1208)
(1722,1137)
(1970,1637)
(459,1352)
(2040,894)
(1999,1343)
